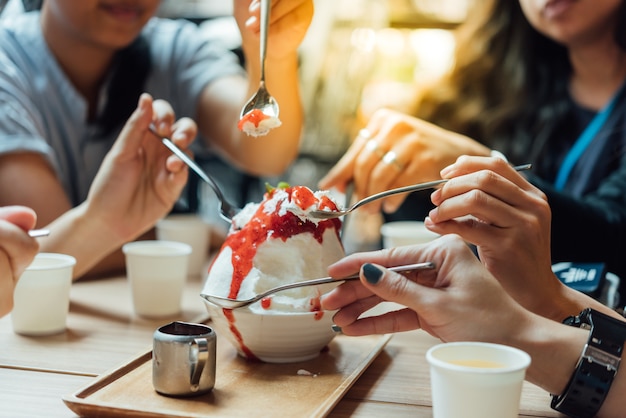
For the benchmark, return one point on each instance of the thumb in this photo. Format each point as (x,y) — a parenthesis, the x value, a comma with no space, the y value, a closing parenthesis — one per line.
(394,287)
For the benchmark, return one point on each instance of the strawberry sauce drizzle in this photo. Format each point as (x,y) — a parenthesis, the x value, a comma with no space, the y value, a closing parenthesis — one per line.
(263,226)
(255,116)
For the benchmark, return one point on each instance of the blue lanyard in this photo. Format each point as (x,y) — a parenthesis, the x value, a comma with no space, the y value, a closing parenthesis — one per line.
(582,143)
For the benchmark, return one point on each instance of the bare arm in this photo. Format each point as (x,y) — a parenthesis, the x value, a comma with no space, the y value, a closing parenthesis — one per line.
(27,179)
(267,155)
(138,183)
(221,102)
(41,190)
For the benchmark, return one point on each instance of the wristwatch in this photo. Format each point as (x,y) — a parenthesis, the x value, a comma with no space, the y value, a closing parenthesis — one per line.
(598,364)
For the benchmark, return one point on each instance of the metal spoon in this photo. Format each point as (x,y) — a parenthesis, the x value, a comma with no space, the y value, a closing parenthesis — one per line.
(262,99)
(35,233)
(227,209)
(325,214)
(228,303)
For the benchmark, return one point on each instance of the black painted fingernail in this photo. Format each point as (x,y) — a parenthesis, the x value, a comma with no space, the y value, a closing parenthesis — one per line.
(372,273)
(336,328)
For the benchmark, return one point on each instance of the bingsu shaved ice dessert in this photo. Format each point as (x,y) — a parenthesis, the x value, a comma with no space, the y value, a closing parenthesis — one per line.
(273,243)
(269,244)
(257,123)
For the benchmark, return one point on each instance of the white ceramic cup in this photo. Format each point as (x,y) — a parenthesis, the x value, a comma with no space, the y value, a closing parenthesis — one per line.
(157,272)
(476,380)
(399,233)
(42,295)
(190,229)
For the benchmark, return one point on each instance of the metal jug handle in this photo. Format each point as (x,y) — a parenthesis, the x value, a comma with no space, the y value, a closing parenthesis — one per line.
(198,363)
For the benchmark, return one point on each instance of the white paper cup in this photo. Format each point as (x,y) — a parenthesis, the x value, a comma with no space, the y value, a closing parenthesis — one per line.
(476,380)
(190,229)
(399,233)
(157,272)
(42,295)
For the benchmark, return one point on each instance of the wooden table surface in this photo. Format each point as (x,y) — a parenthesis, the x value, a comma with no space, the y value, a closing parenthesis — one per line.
(103,333)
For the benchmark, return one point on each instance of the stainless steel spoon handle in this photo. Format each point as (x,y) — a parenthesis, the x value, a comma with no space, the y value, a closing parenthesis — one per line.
(262,100)
(413,188)
(314,282)
(325,214)
(35,233)
(228,303)
(227,210)
(405,189)
(265,21)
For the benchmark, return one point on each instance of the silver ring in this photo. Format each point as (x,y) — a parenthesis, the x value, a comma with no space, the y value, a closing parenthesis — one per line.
(364,133)
(372,146)
(391,158)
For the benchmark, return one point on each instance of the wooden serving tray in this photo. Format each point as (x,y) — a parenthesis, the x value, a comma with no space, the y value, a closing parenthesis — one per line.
(242,388)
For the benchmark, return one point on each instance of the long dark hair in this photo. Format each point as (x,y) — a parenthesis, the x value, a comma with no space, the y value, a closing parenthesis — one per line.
(508,86)
(130,69)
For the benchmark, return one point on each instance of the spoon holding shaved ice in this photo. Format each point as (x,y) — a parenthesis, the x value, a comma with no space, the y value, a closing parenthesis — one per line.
(256,123)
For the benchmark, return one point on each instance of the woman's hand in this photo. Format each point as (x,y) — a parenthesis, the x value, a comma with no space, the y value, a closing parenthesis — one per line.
(140,180)
(421,150)
(459,300)
(221,102)
(494,207)
(17,250)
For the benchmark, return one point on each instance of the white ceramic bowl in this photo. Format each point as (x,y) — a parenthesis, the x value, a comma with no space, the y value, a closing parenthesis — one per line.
(273,337)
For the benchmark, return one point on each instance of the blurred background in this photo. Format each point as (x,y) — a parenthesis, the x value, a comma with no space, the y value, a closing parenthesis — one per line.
(359,55)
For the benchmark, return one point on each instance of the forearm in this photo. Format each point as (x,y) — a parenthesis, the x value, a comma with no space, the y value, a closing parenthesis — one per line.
(218,115)
(280,146)
(579,301)
(555,350)
(84,237)
(282,142)
(604,213)
(569,302)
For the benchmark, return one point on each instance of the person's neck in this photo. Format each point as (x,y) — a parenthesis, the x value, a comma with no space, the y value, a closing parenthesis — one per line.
(84,65)
(599,70)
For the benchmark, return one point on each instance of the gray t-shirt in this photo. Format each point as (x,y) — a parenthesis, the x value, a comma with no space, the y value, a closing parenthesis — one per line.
(42,112)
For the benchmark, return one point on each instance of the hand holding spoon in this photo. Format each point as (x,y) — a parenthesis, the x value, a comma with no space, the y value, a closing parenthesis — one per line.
(262,101)
(228,303)
(326,214)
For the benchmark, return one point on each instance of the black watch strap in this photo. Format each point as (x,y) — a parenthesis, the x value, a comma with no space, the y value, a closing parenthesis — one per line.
(597,366)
